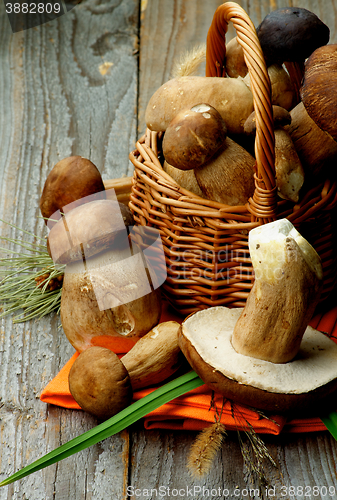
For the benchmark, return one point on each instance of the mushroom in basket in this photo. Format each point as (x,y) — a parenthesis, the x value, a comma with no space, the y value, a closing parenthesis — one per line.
(264,355)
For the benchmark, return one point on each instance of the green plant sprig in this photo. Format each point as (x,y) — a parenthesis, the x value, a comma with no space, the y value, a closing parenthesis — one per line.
(22,282)
(117,423)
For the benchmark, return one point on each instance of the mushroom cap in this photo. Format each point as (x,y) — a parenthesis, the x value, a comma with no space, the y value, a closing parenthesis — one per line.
(281,118)
(318,90)
(194,136)
(69,180)
(205,339)
(291,34)
(89,229)
(100,383)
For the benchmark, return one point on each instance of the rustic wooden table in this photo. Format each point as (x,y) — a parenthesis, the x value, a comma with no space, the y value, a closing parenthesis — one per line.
(79,86)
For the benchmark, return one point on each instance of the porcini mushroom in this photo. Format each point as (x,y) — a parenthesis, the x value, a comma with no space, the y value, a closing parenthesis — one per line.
(289,170)
(235,60)
(196,139)
(155,357)
(69,180)
(106,290)
(313,127)
(265,355)
(229,96)
(193,137)
(289,35)
(228,177)
(100,383)
(185,178)
(282,89)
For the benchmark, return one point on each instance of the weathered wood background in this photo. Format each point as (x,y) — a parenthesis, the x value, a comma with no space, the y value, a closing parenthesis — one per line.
(79,85)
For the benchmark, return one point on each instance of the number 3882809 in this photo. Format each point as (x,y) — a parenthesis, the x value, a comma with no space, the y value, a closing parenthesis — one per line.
(33,8)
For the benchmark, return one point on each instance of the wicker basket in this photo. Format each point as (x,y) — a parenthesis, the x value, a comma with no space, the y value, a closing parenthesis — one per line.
(206,242)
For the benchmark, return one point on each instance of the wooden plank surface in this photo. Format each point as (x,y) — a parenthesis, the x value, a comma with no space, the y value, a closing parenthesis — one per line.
(76,86)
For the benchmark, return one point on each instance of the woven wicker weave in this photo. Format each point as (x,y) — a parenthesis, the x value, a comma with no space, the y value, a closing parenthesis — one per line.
(205,242)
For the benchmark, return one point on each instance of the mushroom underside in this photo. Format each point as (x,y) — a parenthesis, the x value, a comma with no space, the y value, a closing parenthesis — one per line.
(205,339)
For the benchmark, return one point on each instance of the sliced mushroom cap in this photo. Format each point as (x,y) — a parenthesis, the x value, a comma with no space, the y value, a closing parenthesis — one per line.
(205,339)
(70,180)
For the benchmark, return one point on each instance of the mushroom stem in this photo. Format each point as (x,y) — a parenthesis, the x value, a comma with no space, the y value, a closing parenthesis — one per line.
(314,147)
(296,73)
(288,279)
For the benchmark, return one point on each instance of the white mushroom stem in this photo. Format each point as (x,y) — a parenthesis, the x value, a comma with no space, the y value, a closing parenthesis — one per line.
(288,278)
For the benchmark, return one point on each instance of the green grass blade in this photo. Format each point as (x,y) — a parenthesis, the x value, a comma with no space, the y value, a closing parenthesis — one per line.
(330,422)
(117,423)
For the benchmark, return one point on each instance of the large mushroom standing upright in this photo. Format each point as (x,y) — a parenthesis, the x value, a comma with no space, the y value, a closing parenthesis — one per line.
(106,293)
(264,355)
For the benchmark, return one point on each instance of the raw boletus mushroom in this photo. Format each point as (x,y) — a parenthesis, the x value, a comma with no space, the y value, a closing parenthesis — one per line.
(106,293)
(289,170)
(282,89)
(69,180)
(229,176)
(289,35)
(100,383)
(235,60)
(155,357)
(264,355)
(313,127)
(229,96)
(193,137)
(184,178)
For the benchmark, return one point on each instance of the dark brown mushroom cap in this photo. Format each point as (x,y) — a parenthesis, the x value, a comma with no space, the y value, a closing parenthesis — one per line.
(193,137)
(291,34)
(69,180)
(88,230)
(318,91)
(281,118)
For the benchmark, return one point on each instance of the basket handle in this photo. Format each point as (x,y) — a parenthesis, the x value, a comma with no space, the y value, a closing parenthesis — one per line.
(263,204)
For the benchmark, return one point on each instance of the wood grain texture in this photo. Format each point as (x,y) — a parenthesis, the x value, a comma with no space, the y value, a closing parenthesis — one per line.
(59,95)
(58,98)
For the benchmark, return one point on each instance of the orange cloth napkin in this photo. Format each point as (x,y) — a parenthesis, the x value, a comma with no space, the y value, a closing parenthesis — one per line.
(193,411)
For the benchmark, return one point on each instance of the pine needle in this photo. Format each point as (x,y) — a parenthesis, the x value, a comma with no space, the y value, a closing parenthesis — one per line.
(204,449)
(29,281)
(189,62)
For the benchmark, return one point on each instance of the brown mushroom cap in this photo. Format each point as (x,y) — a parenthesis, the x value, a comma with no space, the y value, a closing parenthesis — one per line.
(281,118)
(205,339)
(318,90)
(193,137)
(100,383)
(88,229)
(69,180)
(235,60)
